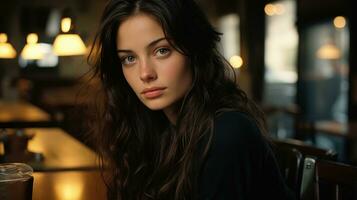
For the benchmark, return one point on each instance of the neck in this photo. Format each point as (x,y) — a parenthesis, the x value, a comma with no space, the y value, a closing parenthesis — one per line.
(172,111)
(171,115)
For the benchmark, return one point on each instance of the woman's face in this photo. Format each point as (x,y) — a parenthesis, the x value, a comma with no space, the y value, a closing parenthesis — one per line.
(158,74)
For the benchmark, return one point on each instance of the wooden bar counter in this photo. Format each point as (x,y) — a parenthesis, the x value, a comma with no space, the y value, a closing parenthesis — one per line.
(60,151)
(65,185)
(21,114)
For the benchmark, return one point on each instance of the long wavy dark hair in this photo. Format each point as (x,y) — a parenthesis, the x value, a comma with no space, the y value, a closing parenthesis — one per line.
(147,157)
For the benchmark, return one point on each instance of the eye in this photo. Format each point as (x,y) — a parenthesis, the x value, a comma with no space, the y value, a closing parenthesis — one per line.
(161,52)
(127,60)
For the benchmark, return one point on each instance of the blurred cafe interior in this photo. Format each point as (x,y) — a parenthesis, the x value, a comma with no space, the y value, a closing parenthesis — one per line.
(295,58)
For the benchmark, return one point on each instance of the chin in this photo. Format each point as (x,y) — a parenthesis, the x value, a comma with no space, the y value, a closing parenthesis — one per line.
(155,105)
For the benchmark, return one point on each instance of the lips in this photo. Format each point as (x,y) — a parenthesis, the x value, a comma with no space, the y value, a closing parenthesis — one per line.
(153,92)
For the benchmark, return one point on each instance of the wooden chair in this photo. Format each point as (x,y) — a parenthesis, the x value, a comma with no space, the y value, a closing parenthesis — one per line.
(289,161)
(307,150)
(307,186)
(293,170)
(335,181)
(328,180)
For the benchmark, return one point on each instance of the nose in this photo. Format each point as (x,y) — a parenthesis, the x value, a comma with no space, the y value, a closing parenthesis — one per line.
(147,71)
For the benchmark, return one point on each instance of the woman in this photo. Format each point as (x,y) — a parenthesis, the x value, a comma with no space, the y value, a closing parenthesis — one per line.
(174,125)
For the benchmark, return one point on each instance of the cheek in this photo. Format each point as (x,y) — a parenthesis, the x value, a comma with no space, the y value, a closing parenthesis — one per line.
(176,70)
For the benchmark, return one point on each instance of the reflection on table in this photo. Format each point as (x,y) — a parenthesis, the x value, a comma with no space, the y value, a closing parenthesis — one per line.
(69,185)
(60,150)
(16,114)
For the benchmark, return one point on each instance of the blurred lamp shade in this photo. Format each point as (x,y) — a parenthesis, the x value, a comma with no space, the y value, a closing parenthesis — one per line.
(66,43)
(32,50)
(6,49)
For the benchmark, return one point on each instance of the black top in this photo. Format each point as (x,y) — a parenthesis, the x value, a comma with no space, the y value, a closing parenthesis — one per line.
(240,164)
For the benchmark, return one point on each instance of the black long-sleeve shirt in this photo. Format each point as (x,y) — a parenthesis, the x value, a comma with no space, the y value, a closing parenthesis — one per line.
(240,164)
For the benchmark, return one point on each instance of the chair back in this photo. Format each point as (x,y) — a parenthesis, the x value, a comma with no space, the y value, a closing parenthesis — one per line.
(289,161)
(307,189)
(328,180)
(308,150)
(335,181)
(299,174)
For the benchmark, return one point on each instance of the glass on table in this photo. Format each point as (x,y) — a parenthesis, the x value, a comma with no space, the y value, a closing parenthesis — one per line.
(16,181)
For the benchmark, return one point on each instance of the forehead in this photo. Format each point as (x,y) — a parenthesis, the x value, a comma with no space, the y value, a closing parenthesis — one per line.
(139,28)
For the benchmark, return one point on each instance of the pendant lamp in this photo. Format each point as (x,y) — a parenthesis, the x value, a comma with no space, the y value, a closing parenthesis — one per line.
(32,50)
(6,49)
(68,43)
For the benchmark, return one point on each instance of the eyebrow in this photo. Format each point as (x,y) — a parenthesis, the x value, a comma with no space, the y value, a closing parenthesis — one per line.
(153,43)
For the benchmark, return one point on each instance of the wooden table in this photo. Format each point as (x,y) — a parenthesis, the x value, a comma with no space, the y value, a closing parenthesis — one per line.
(61,151)
(68,185)
(21,114)
(348,131)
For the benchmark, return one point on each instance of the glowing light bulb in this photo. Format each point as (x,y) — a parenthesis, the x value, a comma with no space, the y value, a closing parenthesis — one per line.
(269,9)
(3,38)
(339,22)
(236,61)
(32,38)
(66,24)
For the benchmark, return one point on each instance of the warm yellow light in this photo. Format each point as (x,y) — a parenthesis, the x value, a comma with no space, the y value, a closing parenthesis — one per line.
(32,38)
(328,52)
(3,38)
(6,49)
(236,61)
(32,51)
(274,9)
(269,9)
(339,22)
(66,24)
(69,45)
(279,9)
(70,188)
